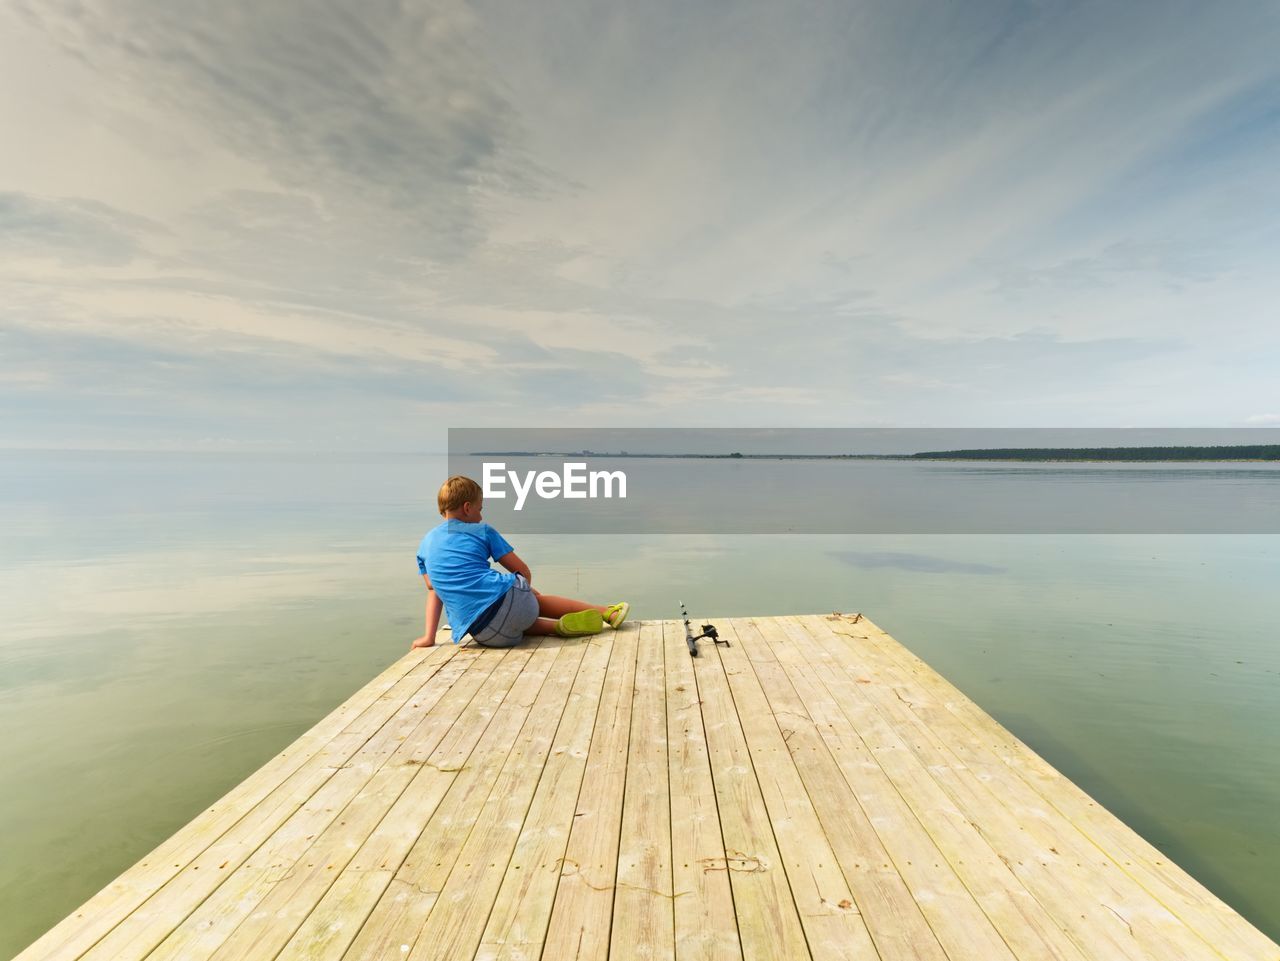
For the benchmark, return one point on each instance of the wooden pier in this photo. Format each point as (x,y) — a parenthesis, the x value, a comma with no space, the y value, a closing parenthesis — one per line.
(812,790)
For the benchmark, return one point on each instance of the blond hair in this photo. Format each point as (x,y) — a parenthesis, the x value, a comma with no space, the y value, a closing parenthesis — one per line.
(456,491)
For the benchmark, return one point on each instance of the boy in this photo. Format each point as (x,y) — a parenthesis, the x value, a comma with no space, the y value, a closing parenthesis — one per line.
(497,608)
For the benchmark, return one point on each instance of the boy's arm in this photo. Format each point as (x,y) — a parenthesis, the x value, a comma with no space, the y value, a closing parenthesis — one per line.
(513,563)
(434,607)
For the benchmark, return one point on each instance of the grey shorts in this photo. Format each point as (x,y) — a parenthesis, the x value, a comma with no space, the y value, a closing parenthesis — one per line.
(515,615)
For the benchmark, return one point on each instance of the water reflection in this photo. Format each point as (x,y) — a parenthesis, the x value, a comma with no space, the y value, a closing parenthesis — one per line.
(919,563)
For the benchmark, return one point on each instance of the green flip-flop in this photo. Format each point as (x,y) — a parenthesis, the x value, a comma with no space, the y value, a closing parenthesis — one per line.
(616,614)
(580,623)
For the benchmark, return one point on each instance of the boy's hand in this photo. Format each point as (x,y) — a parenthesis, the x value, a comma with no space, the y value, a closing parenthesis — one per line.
(423,641)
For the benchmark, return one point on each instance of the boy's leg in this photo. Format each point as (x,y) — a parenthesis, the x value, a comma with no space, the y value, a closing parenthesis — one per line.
(551,605)
(543,626)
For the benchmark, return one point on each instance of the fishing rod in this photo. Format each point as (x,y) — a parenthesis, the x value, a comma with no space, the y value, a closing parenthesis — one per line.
(708,630)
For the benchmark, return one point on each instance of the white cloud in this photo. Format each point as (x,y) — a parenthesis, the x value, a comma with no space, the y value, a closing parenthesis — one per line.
(676,211)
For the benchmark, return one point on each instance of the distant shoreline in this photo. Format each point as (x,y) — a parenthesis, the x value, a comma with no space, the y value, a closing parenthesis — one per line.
(1242,454)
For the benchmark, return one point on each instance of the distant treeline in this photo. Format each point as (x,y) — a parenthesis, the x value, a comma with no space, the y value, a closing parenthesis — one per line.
(1237,452)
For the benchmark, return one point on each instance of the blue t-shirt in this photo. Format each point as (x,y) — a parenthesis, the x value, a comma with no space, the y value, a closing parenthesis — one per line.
(455,556)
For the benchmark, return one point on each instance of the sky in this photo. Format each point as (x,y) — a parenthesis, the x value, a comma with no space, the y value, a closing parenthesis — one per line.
(317,225)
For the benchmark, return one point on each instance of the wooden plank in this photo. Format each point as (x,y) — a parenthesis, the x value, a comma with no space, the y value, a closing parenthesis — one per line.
(1217,923)
(295,866)
(769,924)
(79,931)
(706,927)
(1107,914)
(517,924)
(583,906)
(295,893)
(948,921)
(150,922)
(327,932)
(393,926)
(813,789)
(456,923)
(643,916)
(820,848)
(975,905)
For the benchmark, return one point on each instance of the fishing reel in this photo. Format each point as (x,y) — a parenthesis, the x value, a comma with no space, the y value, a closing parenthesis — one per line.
(708,630)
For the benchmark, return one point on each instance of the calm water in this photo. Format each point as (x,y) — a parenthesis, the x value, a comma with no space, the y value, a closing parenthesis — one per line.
(171,621)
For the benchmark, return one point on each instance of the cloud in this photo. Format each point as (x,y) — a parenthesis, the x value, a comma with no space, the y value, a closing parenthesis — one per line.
(388,113)
(1176,264)
(996,213)
(71,230)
